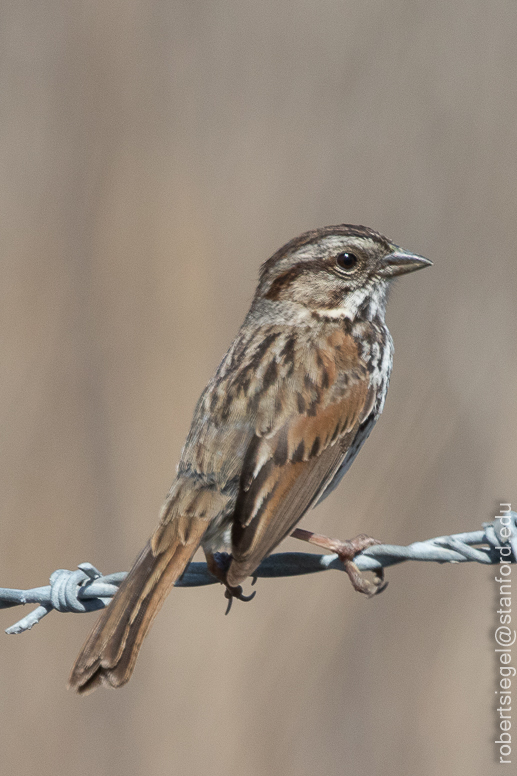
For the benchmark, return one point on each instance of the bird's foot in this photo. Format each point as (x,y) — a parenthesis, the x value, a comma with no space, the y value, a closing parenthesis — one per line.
(347,550)
(218,564)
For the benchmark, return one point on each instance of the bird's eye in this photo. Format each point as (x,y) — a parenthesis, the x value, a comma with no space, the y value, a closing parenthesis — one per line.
(347,261)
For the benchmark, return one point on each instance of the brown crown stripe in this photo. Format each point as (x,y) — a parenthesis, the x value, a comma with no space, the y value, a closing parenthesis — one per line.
(346,230)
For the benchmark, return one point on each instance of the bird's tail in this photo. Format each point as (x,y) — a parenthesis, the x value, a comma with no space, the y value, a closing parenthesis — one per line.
(109,654)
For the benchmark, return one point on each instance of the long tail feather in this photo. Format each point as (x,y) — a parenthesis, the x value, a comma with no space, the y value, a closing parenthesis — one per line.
(109,654)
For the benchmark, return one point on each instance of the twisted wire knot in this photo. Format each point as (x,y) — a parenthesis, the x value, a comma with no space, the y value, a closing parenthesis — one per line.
(497,533)
(66,585)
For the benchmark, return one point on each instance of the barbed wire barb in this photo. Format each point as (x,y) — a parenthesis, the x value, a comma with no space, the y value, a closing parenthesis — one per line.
(85,589)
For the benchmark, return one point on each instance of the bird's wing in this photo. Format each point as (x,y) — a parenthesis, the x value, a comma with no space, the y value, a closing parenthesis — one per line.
(288,466)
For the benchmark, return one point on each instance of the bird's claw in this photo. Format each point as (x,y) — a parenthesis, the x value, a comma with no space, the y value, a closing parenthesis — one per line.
(363,585)
(236,592)
(218,565)
(347,551)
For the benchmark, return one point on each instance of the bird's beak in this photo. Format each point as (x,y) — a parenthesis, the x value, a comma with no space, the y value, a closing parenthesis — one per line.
(400,262)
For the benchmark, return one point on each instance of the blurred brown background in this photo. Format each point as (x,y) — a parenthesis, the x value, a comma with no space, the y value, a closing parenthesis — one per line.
(153,154)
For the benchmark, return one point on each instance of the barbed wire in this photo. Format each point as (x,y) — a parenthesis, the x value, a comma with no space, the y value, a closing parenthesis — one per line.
(86,589)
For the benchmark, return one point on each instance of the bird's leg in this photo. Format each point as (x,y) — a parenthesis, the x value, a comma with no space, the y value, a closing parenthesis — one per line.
(218,564)
(347,550)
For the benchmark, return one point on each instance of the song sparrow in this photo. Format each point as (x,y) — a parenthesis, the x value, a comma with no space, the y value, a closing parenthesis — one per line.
(274,431)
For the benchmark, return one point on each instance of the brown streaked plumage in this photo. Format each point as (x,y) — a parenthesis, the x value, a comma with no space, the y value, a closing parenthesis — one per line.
(274,431)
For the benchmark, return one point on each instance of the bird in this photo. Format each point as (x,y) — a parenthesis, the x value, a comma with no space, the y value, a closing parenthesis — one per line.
(273,433)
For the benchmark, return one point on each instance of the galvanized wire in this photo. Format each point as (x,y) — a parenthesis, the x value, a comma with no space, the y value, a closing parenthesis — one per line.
(85,589)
